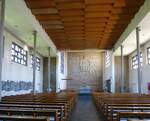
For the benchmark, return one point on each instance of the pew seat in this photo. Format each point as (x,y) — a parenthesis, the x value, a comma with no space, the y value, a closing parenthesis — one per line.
(56,106)
(23,118)
(136,116)
(113,105)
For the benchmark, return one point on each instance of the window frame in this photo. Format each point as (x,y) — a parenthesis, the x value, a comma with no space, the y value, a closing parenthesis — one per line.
(62,66)
(107,59)
(38,62)
(148,55)
(134,61)
(18,54)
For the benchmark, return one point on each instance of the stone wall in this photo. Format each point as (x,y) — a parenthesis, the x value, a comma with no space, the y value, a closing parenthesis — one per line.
(85,69)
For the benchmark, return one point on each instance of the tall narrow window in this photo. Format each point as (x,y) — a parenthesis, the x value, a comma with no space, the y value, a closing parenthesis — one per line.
(107,59)
(37,63)
(3,45)
(148,55)
(62,63)
(18,54)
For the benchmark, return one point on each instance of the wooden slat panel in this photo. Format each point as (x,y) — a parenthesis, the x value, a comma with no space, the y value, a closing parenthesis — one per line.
(83,24)
(45,11)
(71,13)
(73,18)
(47,17)
(99,1)
(98,8)
(129,3)
(37,3)
(51,22)
(77,28)
(73,23)
(96,20)
(70,5)
(96,14)
(124,10)
(53,26)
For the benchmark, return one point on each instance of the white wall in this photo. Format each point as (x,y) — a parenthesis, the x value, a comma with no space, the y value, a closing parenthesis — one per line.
(133,80)
(17,72)
(61,84)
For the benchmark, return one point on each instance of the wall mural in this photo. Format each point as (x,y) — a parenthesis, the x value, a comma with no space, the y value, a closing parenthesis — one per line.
(16,86)
(85,69)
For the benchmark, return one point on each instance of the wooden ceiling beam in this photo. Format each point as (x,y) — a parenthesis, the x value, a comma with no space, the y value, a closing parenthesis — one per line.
(66,13)
(45,11)
(47,17)
(33,4)
(70,5)
(96,20)
(99,1)
(96,14)
(73,19)
(98,8)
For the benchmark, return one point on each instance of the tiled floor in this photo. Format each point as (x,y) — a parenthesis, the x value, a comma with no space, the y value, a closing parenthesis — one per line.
(85,110)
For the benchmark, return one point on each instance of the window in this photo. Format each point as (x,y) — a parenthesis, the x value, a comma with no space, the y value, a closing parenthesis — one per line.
(135,61)
(148,55)
(107,59)
(18,54)
(62,63)
(37,63)
(3,45)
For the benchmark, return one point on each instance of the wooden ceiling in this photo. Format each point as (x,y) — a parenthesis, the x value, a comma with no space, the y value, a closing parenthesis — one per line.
(84,24)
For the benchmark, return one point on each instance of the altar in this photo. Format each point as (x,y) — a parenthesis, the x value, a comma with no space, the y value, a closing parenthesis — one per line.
(85,90)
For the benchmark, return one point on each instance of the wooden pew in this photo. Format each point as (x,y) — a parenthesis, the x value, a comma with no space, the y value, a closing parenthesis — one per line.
(110,104)
(56,111)
(52,114)
(137,115)
(62,103)
(23,118)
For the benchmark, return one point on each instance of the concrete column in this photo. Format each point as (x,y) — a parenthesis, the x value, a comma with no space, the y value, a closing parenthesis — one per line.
(2,15)
(138,57)
(34,60)
(122,70)
(49,68)
(103,63)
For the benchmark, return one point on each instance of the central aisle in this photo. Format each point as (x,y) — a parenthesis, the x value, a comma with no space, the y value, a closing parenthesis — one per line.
(85,110)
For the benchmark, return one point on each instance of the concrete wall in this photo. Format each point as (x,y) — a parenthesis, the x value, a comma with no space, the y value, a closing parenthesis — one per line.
(45,74)
(16,72)
(118,73)
(108,72)
(84,69)
(53,74)
(133,81)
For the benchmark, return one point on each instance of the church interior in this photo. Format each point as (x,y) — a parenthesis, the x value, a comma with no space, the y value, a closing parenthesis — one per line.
(74,60)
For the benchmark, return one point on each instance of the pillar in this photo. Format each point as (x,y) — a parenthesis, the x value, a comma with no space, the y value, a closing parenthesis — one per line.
(122,70)
(34,60)
(138,57)
(2,15)
(49,68)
